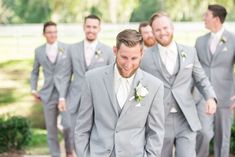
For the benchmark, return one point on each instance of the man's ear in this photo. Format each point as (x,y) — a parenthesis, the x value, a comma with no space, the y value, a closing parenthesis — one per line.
(115,50)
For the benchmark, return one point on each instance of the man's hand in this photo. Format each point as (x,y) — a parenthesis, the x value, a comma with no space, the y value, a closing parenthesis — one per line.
(36,96)
(233,99)
(62,105)
(210,106)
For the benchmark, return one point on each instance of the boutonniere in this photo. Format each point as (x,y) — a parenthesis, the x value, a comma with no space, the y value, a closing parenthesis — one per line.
(61,50)
(140,92)
(223,40)
(98,53)
(183,55)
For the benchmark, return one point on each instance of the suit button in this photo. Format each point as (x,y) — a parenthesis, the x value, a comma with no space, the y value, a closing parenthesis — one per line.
(116,131)
(109,151)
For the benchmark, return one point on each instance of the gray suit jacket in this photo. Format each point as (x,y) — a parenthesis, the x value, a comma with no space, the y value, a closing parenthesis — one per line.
(75,69)
(52,72)
(137,132)
(190,70)
(219,67)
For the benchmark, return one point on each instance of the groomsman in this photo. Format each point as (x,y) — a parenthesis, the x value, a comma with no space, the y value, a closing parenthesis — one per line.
(51,57)
(82,57)
(178,67)
(121,112)
(147,33)
(216,53)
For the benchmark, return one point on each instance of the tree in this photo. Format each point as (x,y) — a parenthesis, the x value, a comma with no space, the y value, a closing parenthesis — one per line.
(28,11)
(145,9)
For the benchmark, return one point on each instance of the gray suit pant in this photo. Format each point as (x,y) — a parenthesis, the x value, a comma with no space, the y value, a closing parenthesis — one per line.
(178,134)
(222,122)
(206,133)
(51,112)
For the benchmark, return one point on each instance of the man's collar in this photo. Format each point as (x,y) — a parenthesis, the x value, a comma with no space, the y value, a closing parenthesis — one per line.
(219,33)
(118,76)
(53,44)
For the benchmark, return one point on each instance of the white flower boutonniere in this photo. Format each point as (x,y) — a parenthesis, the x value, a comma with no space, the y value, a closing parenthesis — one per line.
(61,50)
(98,53)
(223,40)
(140,92)
(183,55)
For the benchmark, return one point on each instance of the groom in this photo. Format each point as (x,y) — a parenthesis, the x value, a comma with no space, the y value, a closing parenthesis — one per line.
(121,112)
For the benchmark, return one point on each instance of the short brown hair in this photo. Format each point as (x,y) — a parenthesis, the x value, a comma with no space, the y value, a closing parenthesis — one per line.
(49,23)
(157,15)
(92,17)
(129,37)
(143,24)
(218,11)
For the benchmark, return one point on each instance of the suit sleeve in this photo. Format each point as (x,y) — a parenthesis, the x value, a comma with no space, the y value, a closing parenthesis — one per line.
(35,72)
(84,123)
(201,80)
(66,75)
(155,125)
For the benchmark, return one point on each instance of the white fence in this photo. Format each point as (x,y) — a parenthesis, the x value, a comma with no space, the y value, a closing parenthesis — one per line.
(19,41)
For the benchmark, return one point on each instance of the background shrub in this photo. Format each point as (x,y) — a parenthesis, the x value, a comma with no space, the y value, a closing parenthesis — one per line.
(15,133)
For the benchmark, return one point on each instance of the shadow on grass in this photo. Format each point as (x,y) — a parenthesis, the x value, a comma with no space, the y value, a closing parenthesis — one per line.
(7,96)
(36,116)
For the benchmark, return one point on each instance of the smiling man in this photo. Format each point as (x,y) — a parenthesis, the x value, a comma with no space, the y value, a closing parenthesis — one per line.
(121,112)
(178,67)
(51,58)
(83,56)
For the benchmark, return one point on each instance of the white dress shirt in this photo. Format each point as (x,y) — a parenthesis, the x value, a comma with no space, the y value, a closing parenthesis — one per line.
(122,86)
(169,56)
(215,39)
(51,51)
(89,48)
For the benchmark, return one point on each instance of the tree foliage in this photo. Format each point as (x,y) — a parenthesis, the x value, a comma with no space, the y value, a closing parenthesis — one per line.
(28,11)
(114,11)
(144,10)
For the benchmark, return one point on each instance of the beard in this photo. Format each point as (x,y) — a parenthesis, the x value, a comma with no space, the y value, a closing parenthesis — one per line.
(149,42)
(165,43)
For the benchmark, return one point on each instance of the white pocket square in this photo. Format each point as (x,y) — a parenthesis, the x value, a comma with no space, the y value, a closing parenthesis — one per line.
(225,49)
(100,60)
(138,105)
(189,66)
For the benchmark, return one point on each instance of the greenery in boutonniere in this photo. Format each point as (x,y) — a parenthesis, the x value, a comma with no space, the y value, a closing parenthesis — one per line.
(140,92)
(98,53)
(61,50)
(183,55)
(223,40)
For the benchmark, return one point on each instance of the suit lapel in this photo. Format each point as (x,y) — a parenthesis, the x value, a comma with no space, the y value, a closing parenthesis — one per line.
(220,45)
(81,56)
(131,99)
(157,60)
(206,47)
(109,84)
(45,57)
(180,50)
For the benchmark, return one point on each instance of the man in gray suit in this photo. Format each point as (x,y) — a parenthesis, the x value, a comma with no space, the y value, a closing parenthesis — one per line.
(177,66)
(83,56)
(121,112)
(216,51)
(51,57)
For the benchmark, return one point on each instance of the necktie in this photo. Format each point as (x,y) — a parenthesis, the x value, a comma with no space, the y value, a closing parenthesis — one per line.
(169,61)
(88,54)
(213,44)
(123,92)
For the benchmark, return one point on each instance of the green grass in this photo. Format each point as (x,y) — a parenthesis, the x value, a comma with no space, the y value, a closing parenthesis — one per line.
(38,143)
